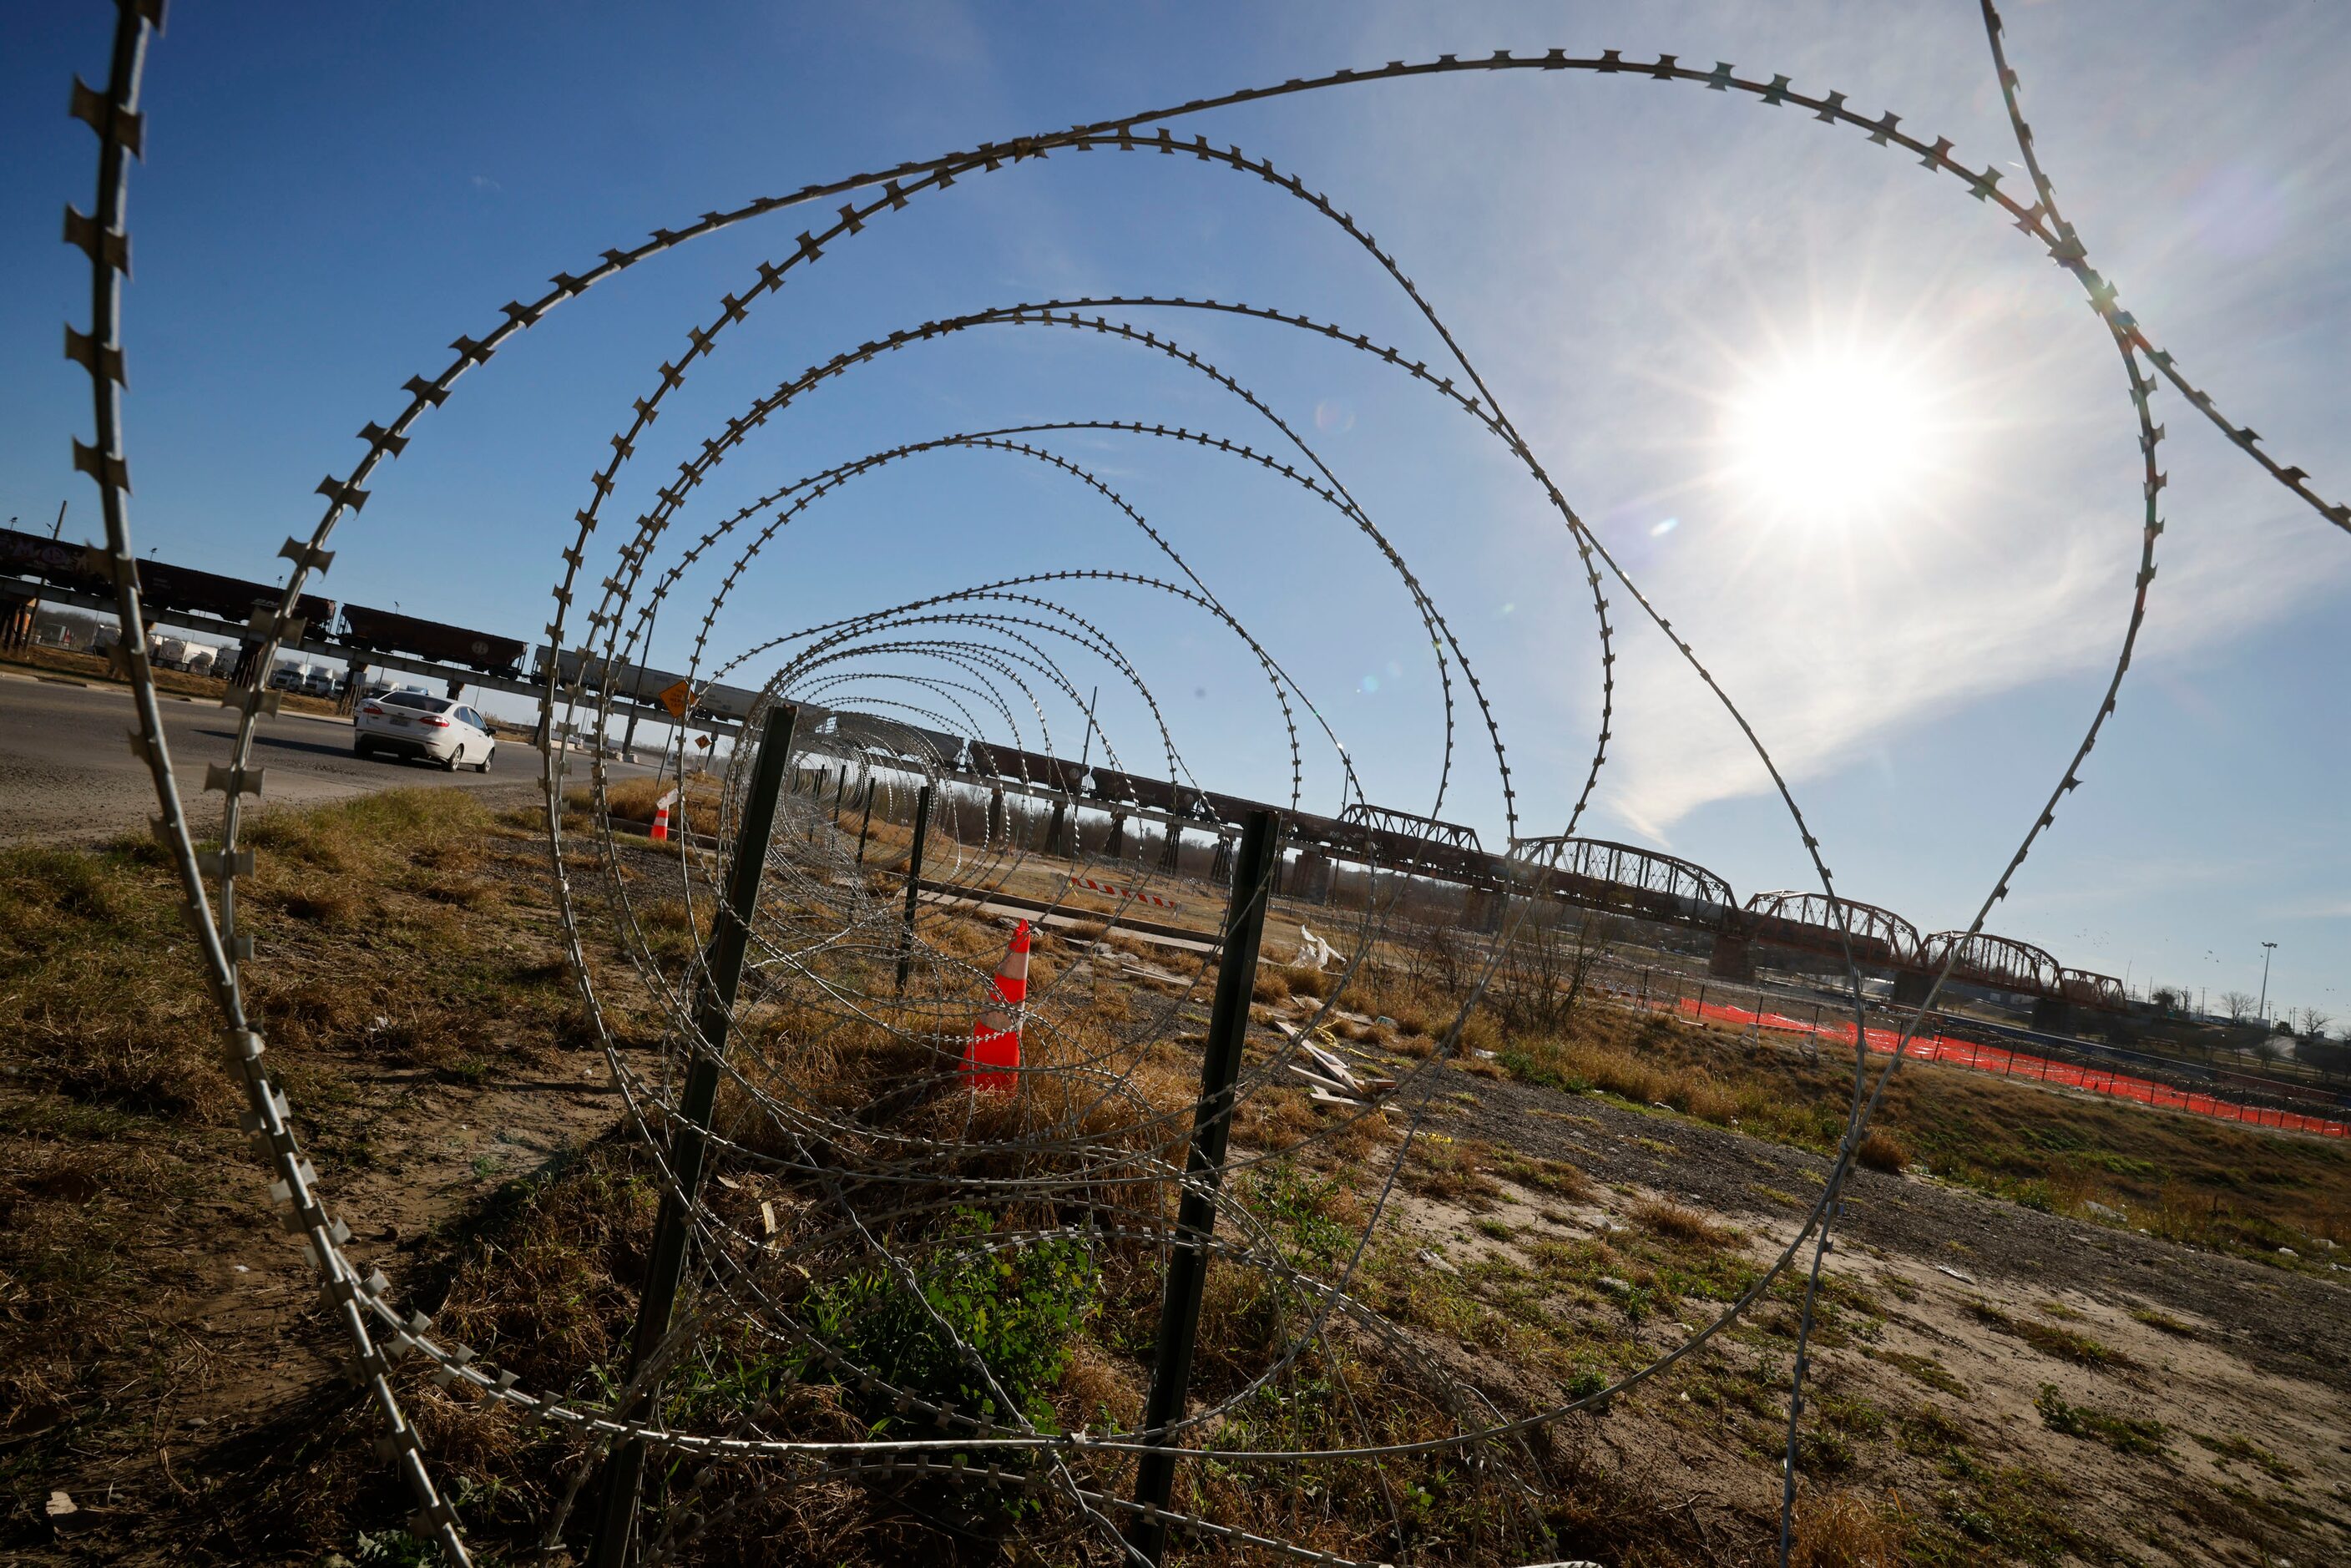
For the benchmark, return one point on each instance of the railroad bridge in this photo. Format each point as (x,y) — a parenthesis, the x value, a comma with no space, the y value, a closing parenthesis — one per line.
(1588,874)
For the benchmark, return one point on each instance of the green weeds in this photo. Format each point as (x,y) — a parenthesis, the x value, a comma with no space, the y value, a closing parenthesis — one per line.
(2123,1434)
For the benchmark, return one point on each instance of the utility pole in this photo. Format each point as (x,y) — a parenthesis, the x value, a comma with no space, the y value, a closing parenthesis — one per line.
(2262,1011)
(59,526)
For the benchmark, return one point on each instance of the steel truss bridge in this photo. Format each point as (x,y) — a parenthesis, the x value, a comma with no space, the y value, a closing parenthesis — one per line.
(1587,873)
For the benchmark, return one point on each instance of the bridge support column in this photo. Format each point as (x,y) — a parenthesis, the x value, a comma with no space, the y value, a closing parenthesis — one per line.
(1053,828)
(1733,957)
(1314,874)
(995,830)
(2053,1015)
(1172,853)
(1481,910)
(1910,988)
(1220,869)
(1115,845)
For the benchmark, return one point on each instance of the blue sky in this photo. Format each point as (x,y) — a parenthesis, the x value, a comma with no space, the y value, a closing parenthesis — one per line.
(1640,271)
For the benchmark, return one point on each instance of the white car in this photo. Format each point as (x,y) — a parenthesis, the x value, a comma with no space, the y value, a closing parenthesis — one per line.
(414,724)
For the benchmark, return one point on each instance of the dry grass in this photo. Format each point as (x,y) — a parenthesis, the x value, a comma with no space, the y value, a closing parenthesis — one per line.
(631,802)
(1848,1529)
(1300,981)
(391,937)
(1583,1063)
(541,1281)
(1683,1225)
(549,1294)
(2189,1179)
(98,667)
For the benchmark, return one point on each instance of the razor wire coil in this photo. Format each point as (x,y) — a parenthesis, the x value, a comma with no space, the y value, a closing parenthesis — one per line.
(829,915)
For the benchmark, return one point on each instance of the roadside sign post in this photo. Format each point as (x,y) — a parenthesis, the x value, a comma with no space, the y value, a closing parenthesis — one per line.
(714,1014)
(1203,1170)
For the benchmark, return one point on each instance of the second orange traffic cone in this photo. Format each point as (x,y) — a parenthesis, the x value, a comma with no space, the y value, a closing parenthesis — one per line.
(995,1043)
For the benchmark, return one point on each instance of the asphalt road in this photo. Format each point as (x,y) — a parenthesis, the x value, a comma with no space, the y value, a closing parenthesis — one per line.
(67,774)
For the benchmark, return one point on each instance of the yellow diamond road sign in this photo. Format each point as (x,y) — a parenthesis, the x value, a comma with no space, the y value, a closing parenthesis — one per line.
(677,699)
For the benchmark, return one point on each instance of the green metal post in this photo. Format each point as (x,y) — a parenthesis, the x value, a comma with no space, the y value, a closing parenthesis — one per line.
(1204,1169)
(913,886)
(714,1013)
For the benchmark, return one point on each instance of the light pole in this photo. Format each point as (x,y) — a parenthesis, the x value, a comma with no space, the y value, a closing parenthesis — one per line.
(2262,1011)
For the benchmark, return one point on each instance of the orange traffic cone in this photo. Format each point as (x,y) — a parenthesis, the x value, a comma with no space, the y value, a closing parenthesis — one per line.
(660,834)
(995,1042)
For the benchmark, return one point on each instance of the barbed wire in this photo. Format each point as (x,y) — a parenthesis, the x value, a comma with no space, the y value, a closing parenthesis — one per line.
(823,933)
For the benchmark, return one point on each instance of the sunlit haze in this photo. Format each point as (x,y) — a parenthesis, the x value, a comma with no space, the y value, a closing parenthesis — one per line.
(1831,438)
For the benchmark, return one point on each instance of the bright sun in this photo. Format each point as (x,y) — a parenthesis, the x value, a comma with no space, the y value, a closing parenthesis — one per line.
(1833,437)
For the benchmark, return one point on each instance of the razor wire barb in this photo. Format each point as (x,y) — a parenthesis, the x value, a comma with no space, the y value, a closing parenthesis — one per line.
(820,919)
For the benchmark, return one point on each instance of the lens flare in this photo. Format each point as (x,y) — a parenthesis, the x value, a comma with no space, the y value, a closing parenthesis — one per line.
(1833,437)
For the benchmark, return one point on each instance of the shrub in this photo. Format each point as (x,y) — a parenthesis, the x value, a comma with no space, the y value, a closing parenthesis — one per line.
(1881,1151)
(1016,1308)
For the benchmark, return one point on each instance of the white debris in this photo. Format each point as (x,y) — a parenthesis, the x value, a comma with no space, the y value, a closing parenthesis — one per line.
(1331,1064)
(1954,1274)
(1313,953)
(60,1505)
(1438,1261)
(2100,1211)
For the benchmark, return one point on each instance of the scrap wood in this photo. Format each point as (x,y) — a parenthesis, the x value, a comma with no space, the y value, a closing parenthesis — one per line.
(1316,1078)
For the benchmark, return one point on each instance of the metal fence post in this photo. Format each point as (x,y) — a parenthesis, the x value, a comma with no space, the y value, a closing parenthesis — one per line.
(914,886)
(865,825)
(1204,1168)
(730,941)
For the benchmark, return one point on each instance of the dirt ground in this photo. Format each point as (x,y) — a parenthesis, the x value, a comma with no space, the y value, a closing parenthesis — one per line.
(2304,1331)
(2051,1391)
(2242,1367)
